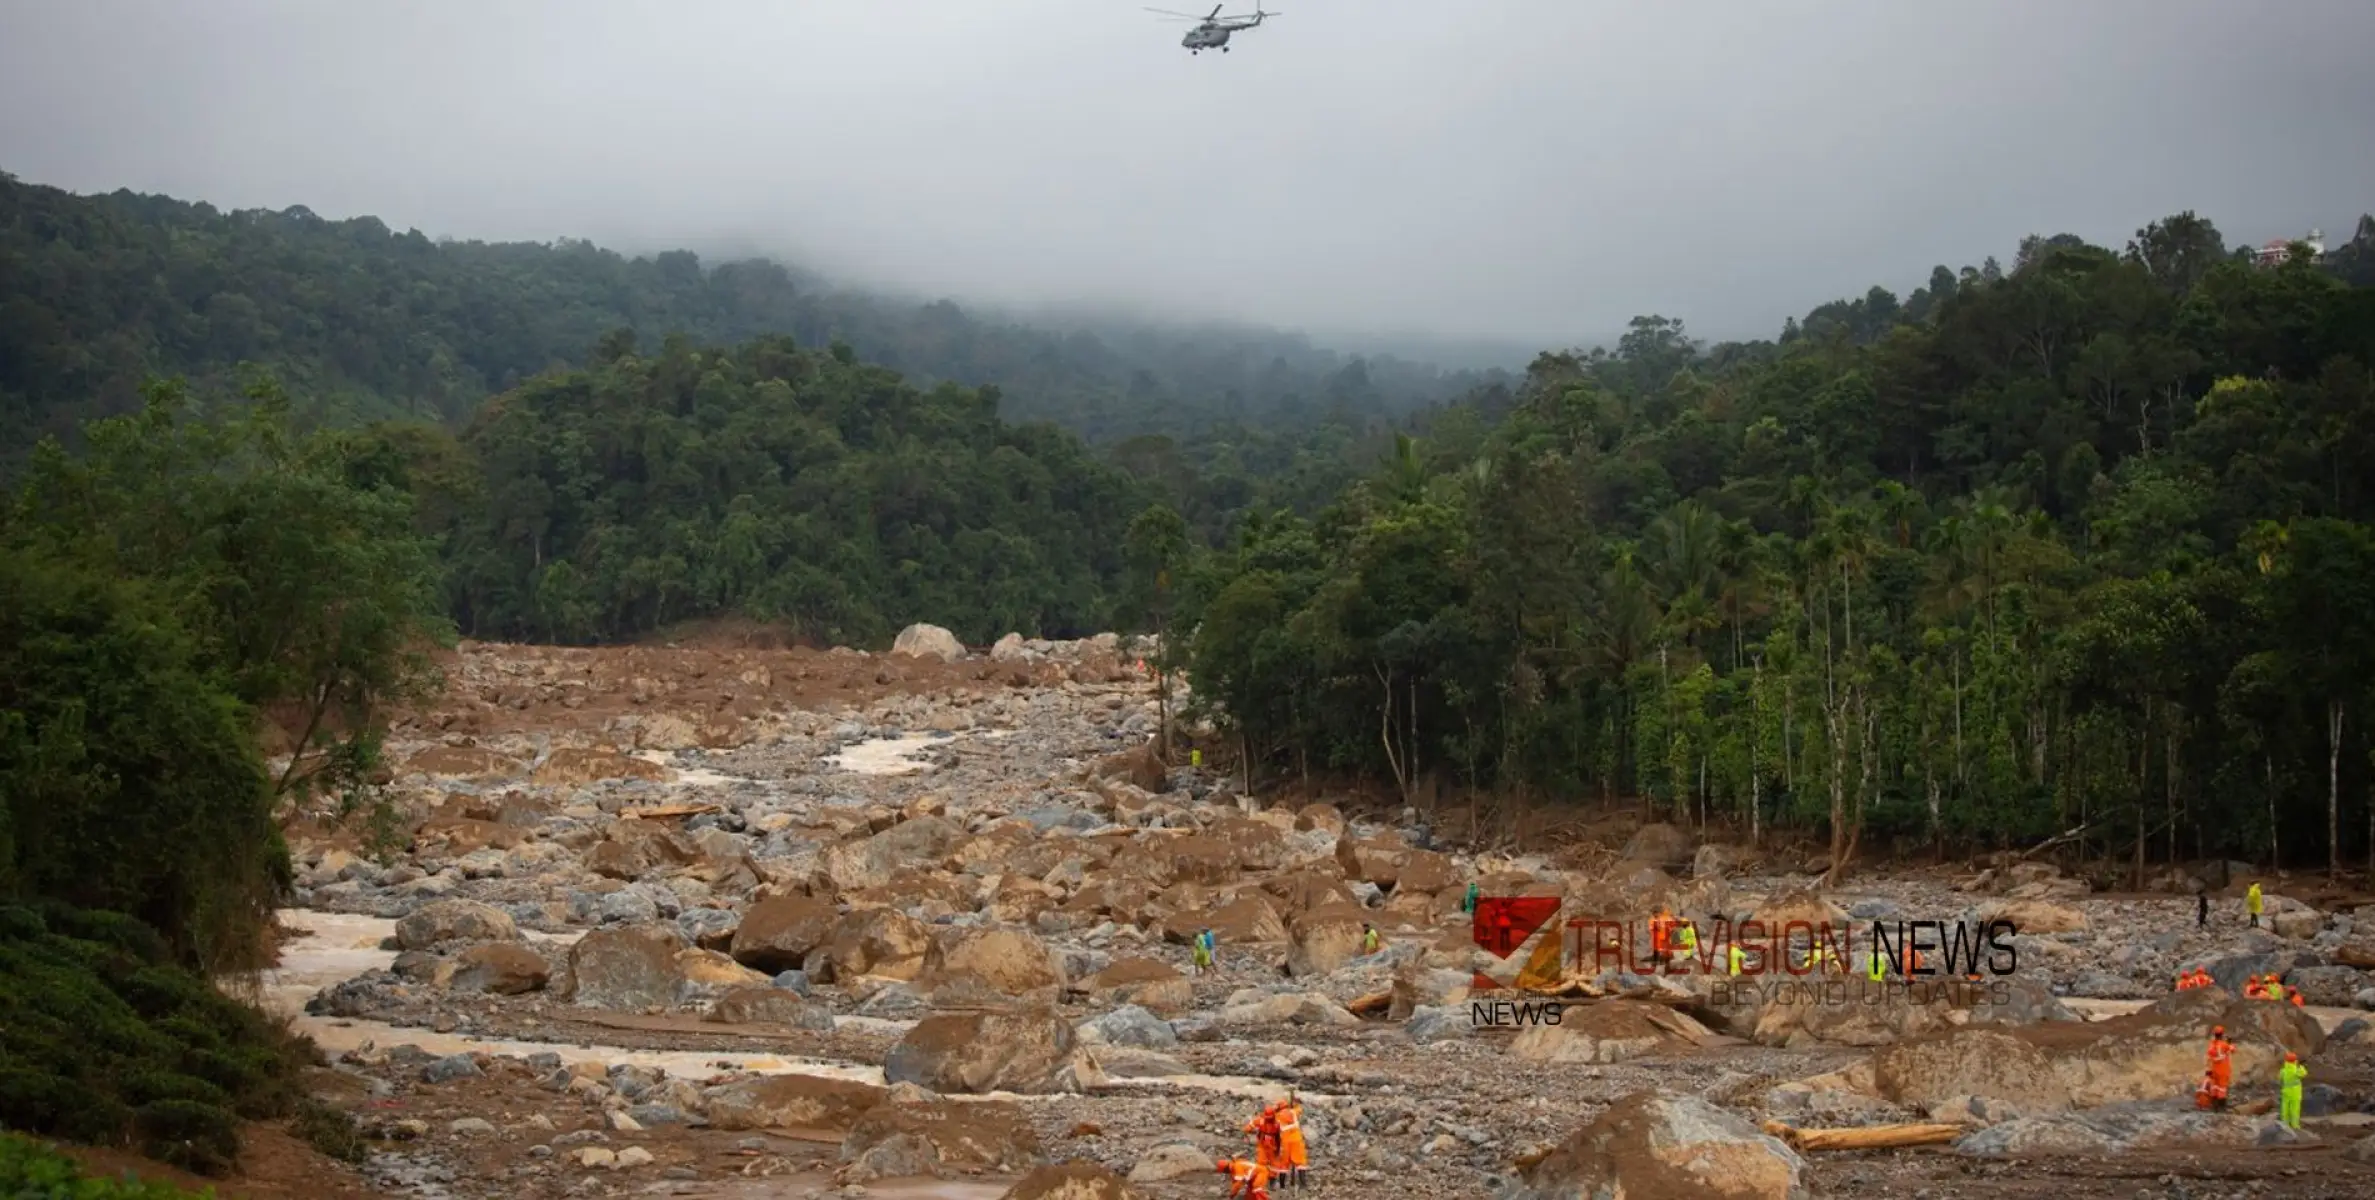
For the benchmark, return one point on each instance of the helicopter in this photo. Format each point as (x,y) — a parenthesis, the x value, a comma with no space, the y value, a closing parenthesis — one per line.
(1212,29)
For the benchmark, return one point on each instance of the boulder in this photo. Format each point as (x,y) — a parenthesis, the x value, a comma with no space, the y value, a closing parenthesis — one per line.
(874,941)
(2154,1055)
(572,767)
(1008,962)
(1988,1064)
(501,969)
(1652,1145)
(443,922)
(1320,818)
(796,1102)
(2298,923)
(928,641)
(2037,916)
(1427,872)
(1610,1031)
(1716,860)
(1303,891)
(2095,1134)
(1147,982)
(872,862)
(1073,1181)
(2358,947)
(2329,987)
(778,932)
(1802,908)
(1429,1025)
(1802,1012)
(1024,1052)
(1140,767)
(1663,846)
(710,928)
(1130,1026)
(633,967)
(1288,1008)
(1374,859)
(933,1137)
(1324,940)
(707,974)
(1249,919)
(769,1006)
(1171,1160)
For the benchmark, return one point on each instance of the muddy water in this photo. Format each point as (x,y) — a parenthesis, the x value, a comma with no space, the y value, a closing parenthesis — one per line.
(340,946)
(886,756)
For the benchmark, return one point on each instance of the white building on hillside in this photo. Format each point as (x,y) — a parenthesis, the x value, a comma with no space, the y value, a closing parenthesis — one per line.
(2277,248)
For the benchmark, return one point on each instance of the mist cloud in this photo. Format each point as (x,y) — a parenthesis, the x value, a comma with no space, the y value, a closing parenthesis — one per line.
(1538,170)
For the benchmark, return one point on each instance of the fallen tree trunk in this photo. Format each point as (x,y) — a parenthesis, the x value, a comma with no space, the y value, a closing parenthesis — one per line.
(1372,1004)
(661,812)
(1869,1137)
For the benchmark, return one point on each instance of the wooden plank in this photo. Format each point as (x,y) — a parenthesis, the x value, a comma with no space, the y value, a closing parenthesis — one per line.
(1869,1137)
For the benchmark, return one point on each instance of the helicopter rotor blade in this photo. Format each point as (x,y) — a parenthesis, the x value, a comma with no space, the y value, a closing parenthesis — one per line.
(1215,12)
(1179,16)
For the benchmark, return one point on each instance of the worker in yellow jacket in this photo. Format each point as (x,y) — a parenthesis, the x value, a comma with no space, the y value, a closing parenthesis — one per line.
(2288,1089)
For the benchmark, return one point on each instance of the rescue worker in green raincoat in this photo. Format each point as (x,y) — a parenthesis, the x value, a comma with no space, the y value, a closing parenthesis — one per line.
(2288,1089)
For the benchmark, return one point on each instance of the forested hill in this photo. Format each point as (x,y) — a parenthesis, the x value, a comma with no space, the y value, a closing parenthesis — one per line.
(2082,543)
(367,322)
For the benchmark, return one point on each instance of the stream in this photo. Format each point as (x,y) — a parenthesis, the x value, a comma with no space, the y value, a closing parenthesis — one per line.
(339,946)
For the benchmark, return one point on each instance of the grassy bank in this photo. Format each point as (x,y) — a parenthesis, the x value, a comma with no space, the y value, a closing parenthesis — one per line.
(104,1040)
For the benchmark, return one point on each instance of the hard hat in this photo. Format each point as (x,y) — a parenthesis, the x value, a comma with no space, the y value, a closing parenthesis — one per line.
(2289,1056)
(2218,1031)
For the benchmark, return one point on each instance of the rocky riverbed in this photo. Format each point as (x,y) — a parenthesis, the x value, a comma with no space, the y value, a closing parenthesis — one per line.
(740,922)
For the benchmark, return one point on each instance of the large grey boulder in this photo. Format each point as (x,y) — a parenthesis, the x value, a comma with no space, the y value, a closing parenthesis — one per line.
(1649,1144)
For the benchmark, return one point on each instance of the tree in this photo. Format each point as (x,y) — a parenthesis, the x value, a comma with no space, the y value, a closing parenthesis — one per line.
(2320,580)
(1158,547)
(2177,251)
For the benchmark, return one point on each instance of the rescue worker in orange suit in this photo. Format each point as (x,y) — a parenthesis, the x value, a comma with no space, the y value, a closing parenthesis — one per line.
(2254,988)
(2222,1062)
(1264,1128)
(2210,1094)
(1293,1155)
(1661,932)
(1247,1180)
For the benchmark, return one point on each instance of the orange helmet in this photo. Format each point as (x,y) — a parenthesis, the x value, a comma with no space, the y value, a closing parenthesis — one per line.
(2289,1056)
(2218,1031)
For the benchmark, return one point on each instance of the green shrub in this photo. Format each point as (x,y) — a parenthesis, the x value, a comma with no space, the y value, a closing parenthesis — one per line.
(32,1171)
(104,1040)
(188,1134)
(331,1130)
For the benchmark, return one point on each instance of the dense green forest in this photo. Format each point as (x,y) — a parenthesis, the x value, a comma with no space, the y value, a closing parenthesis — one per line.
(2081,544)
(795,486)
(361,322)
(163,588)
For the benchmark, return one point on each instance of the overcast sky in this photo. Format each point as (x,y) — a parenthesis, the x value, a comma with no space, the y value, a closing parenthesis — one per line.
(1537,170)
